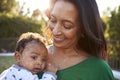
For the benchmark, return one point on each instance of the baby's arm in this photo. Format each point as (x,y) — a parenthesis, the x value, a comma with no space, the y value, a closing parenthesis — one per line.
(50,73)
(49,76)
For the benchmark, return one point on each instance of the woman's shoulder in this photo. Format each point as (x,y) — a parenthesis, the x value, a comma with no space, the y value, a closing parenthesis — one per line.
(91,62)
(90,67)
(96,61)
(97,64)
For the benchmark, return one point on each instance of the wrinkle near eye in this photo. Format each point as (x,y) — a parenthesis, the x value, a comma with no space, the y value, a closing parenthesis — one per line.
(52,19)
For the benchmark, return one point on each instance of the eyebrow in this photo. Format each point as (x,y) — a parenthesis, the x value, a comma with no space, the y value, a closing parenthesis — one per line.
(64,20)
(34,53)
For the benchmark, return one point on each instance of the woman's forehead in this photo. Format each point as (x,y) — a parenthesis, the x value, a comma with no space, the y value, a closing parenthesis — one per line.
(65,10)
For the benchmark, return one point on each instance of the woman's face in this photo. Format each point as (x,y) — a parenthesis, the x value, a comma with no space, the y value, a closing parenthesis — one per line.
(64,24)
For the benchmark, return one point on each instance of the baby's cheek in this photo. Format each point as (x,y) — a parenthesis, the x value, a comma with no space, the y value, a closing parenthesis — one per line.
(43,66)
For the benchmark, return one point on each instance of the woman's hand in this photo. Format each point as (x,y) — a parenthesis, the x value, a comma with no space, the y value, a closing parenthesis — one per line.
(50,67)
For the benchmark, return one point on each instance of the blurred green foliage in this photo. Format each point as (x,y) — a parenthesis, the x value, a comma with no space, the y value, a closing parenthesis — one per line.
(112,33)
(13,23)
(9,6)
(114,25)
(15,26)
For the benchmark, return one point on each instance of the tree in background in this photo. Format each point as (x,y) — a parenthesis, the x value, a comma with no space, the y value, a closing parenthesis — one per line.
(9,6)
(15,26)
(13,23)
(112,33)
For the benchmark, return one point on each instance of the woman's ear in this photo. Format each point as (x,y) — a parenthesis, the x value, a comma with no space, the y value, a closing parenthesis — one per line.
(17,56)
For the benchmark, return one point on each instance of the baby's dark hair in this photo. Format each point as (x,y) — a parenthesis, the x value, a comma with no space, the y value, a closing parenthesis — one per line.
(28,37)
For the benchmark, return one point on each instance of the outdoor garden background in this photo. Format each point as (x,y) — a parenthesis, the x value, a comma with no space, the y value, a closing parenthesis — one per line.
(13,23)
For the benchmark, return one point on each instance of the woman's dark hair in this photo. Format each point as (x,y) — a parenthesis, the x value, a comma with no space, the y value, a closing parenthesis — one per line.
(26,38)
(91,36)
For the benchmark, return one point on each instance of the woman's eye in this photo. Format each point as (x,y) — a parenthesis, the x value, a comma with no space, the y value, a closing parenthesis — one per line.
(67,25)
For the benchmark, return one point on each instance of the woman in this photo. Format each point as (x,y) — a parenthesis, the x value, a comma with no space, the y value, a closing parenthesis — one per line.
(79,47)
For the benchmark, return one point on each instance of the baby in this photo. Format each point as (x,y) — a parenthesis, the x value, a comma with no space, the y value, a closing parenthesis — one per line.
(30,55)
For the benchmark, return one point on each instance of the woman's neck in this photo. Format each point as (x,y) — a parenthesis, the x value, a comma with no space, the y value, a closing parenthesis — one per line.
(68,51)
(63,58)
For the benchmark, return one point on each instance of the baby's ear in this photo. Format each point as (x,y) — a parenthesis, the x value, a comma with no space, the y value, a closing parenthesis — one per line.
(17,56)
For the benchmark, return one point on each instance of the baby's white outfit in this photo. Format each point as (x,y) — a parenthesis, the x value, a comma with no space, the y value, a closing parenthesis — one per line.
(16,72)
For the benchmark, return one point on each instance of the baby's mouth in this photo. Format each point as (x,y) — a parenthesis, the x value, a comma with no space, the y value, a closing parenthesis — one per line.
(36,70)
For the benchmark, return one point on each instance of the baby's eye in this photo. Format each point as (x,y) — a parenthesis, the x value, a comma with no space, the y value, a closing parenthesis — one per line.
(34,57)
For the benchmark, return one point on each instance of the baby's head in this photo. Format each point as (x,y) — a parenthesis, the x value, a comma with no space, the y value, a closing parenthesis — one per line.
(30,52)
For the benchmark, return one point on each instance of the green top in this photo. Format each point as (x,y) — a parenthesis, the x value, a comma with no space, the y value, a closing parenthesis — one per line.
(92,68)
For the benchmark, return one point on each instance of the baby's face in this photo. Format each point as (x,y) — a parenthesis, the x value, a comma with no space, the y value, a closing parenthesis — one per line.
(33,57)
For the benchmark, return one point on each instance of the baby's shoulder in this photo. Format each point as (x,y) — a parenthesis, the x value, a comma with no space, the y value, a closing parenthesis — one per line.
(7,73)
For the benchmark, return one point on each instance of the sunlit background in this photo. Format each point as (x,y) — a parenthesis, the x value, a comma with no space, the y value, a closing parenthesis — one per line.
(32,5)
(43,4)
(19,16)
